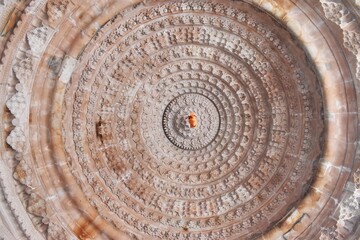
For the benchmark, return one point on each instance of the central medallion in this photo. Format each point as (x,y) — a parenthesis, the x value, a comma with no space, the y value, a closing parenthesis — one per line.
(191,121)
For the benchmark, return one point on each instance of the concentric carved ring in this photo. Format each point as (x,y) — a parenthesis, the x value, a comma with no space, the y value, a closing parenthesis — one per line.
(176,124)
(179,119)
(255,139)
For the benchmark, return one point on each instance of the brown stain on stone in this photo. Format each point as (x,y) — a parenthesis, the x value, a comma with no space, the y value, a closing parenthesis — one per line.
(98,130)
(30,117)
(283,4)
(260,197)
(12,20)
(290,221)
(280,8)
(312,197)
(84,229)
(20,173)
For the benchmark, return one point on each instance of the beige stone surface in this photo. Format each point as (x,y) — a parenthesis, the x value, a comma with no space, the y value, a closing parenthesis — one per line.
(96,141)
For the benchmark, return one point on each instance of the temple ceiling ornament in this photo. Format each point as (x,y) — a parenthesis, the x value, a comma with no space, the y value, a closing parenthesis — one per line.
(196,119)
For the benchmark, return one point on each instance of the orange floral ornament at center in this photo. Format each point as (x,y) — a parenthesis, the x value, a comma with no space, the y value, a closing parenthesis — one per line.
(192,120)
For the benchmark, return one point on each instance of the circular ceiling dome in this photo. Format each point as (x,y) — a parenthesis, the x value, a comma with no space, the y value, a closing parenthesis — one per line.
(257,106)
(179,120)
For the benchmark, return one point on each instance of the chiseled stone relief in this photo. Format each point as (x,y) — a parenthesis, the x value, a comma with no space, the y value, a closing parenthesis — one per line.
(258,114)
(179,120)
(337,12)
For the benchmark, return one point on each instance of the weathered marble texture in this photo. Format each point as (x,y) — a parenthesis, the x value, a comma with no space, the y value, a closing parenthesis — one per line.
(60,174)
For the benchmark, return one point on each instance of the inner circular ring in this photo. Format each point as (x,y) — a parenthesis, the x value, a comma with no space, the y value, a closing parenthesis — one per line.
(191,121)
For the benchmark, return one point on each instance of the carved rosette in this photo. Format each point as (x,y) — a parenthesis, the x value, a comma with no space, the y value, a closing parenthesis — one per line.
(258,112)
(176,121)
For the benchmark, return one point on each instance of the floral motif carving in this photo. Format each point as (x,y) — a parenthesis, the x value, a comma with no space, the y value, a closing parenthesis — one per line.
(17,139)
(24,68)
(96,112)
(338,13)
(56,9)
(36,205)
(258,112)
(17,103)
(37,39)
(23,173)
(55,232)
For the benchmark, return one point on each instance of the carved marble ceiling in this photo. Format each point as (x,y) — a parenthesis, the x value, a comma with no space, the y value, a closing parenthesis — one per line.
(196,119)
